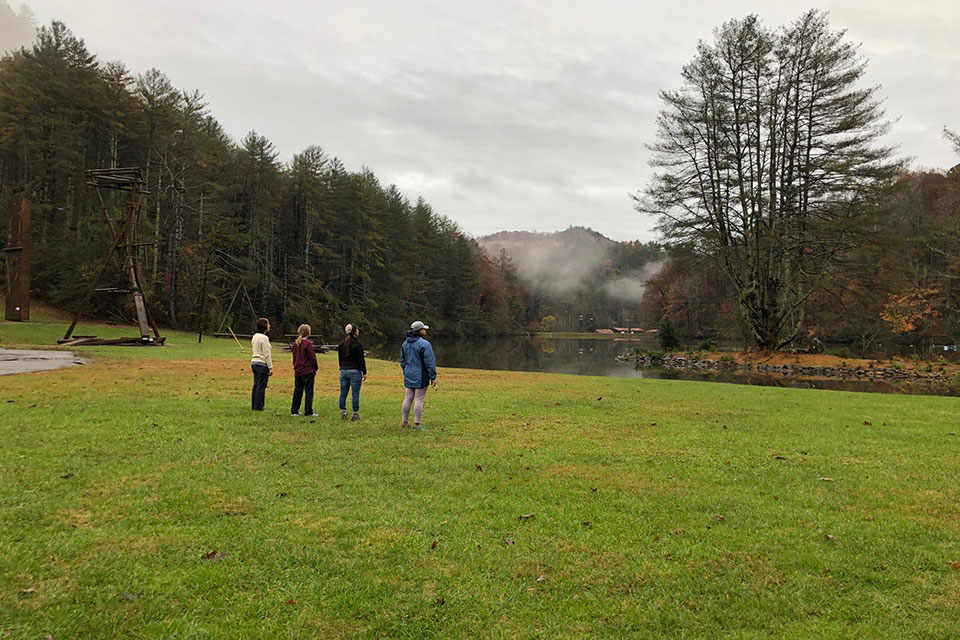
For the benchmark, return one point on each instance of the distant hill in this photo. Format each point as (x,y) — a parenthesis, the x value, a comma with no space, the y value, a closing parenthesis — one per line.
(556,261)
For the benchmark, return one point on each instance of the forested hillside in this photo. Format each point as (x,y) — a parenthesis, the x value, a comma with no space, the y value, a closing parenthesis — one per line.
(581,278)
(312,240)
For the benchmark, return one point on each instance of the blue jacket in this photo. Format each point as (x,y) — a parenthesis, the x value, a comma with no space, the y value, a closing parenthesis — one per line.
(417,361)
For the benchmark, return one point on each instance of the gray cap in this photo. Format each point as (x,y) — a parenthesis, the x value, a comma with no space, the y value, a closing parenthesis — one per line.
(416,326)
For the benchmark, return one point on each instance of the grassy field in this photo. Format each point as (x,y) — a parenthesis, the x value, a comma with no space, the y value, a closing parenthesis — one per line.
(139,497)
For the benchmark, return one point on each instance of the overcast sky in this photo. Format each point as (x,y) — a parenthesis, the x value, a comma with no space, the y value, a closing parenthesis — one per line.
(502,114)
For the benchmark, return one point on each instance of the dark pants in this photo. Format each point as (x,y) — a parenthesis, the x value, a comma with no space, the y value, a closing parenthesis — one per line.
(350,380)
(303,387)
(261,373)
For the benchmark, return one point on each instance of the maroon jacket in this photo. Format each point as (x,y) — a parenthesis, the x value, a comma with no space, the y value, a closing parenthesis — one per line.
(304,358)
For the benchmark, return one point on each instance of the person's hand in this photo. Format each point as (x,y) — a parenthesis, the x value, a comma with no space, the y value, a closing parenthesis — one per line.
(271,372)
(433,382)
(364,378)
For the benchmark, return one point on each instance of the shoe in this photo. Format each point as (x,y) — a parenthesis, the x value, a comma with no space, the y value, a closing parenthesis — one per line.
(294,415)
(343,415)
(312,415)
(354,417)
(419,427)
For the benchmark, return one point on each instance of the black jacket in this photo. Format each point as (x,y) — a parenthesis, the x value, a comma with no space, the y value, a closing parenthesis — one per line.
(352,358)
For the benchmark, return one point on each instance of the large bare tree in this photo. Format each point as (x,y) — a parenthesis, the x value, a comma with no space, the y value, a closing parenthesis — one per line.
(770,163)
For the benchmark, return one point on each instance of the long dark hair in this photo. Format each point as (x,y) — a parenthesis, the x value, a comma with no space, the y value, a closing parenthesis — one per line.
(350,338)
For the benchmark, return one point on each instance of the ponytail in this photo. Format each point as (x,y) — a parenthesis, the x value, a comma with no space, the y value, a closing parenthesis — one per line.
(302,332)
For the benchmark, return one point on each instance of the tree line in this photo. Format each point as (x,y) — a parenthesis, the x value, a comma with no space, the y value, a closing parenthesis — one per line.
(312,241)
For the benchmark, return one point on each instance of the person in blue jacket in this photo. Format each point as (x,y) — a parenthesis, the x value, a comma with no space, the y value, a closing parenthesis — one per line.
(419,371)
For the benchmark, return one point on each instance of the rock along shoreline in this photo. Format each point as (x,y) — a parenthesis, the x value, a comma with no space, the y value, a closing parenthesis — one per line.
(671,361)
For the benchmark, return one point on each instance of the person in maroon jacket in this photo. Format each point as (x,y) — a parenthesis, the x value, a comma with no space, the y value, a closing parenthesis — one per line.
(304,371)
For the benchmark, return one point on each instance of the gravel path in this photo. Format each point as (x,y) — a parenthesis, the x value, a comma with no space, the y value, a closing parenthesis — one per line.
(23,361)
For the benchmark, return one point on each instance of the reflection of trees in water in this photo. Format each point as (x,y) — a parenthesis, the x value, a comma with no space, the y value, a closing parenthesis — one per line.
(598,358)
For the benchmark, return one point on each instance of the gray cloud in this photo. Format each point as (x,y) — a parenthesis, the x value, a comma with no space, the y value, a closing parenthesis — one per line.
(502,114)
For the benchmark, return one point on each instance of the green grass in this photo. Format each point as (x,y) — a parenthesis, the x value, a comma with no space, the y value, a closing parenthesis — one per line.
(327,528)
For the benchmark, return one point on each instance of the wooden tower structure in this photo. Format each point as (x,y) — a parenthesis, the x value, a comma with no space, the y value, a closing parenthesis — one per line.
(123,232)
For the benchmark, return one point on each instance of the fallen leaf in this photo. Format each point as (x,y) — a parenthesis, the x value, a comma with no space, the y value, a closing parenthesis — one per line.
(954,565)
(290,601)
(283,464)
(67,476)
(442,523)
(27,591)
(434,544)
(508,541)
(586,523)
(527,516)
(531,589)
(718,517)
(867,424)
(337,486)
(668,556)
(828,537)
(779,458)
(653,424)
(600,398)
(594,489)
(724,426)
(130,596)
(479,467)
(655,538)
(282,494)
(440,602)
(213,555)
(541,578)
(826,479)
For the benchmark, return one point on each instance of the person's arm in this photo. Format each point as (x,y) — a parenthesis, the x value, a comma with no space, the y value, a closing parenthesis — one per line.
(312,355)
(403,361)
(266,340)
(431,363)
(362,360)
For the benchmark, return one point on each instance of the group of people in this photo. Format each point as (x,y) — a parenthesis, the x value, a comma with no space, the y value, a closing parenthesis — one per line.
(417,361)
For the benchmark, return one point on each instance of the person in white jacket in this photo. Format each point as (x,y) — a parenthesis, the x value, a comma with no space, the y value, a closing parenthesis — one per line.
(261,363)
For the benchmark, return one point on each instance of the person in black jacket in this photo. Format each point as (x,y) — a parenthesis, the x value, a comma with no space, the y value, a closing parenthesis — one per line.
(353,370)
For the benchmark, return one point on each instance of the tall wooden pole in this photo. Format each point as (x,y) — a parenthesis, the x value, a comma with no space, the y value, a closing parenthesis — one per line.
(18,258)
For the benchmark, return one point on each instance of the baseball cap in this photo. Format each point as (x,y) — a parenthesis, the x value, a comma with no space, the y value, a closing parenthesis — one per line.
(416,326)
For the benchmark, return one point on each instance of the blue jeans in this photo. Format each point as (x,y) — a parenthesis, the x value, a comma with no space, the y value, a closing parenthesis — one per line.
(261,374)
(350,379)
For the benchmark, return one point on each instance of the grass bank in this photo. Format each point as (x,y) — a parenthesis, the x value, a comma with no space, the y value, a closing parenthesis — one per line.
(139,497)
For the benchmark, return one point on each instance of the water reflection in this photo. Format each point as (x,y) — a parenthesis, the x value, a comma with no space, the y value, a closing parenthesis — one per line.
(597,357)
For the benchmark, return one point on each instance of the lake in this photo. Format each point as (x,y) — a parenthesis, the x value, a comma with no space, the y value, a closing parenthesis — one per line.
(597,357)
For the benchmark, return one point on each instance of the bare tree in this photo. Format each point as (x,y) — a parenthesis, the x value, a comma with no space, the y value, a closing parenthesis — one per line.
(770,163)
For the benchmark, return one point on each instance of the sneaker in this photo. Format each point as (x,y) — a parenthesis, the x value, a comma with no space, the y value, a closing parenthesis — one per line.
(354,417)
(343,415)
(419,427)
(312,415)
(294,415)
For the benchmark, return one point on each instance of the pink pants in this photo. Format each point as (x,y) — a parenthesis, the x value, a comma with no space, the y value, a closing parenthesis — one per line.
(414,396)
